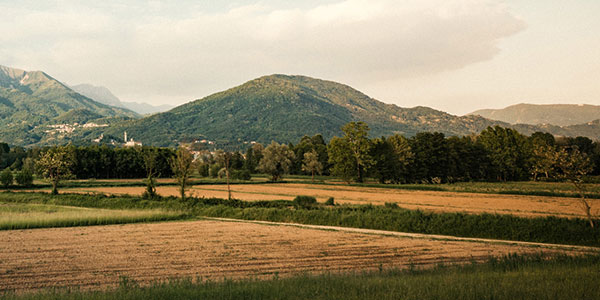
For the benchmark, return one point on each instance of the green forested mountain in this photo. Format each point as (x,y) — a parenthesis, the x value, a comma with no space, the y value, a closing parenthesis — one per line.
(285,108)
(534,114)
(31,100)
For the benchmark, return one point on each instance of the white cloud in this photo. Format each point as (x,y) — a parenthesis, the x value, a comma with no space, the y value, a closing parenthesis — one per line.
(166,58)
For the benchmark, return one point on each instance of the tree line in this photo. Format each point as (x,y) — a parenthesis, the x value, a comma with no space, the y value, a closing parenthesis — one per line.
(496,154)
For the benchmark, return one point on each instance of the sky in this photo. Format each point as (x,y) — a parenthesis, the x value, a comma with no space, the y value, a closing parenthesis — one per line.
(453,55)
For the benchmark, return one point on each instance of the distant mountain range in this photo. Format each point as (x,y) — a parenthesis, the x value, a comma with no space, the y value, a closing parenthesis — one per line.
(36,109)
(105,96)
(535,114)
(31,100)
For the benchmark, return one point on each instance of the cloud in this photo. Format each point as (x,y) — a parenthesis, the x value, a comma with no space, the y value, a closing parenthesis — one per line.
(166,57)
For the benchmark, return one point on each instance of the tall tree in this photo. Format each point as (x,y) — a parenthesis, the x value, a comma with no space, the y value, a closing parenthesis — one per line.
(509,152)
(55,165)
(276,160)
(312,164)
(150,157)
(182,165)
(575,165)
(430,162)
(224,158)
(355,146)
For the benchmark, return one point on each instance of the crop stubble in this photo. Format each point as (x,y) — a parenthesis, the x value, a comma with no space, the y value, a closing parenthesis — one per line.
(95,257)
(525,206)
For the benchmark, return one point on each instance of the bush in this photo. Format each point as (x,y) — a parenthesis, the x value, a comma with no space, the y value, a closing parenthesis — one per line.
(330,201)
(240,174)
(6,177)
(24,178)
(305,201)
(203,170)
(392,205)
(213,171)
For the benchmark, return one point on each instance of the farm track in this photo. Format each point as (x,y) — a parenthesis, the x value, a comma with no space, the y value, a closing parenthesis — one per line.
(96,257)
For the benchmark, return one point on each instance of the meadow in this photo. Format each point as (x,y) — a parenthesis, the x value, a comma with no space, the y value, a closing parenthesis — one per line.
(32,215)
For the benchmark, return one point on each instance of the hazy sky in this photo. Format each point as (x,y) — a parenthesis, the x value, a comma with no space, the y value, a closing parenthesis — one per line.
(453,55)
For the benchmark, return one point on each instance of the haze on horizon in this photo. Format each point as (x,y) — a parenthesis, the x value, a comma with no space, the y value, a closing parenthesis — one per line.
(454,55)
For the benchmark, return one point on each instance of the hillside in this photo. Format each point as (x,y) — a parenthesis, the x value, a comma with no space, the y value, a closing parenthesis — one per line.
(284,108)
(534,114)
(104,95)
(31,100)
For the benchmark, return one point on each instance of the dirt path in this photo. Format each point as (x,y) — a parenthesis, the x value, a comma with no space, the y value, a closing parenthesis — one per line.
(528,206)
(95,257)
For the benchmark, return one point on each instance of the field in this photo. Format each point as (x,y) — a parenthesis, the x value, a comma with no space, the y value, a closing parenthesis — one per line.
(30,215)
(97,257)
(438,201)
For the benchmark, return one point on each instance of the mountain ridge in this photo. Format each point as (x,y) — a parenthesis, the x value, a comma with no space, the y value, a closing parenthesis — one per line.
(104,95)
(536,114)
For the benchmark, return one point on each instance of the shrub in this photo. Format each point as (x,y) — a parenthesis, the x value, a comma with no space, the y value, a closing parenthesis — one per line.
(24,178)
(240,174)
(6,177)
(213,171)
(392,205)
(305,201)
(330,201)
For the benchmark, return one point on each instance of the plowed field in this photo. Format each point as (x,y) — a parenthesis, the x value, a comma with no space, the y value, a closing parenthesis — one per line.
(96,257)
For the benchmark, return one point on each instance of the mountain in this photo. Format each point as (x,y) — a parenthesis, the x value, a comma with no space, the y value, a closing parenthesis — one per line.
(104,95)
(285,108)
(555,114)
(31,100)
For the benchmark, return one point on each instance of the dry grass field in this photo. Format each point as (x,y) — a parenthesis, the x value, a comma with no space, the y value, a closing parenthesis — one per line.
(527,206)
(96,257)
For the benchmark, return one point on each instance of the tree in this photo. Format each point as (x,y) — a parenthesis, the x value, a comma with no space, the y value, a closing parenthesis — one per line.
(181,165)
(276,160)
(6,178)
(430,162)
(24,177)
(150,156)
(574,166)
(55,165)
(508,151)
(354,146)
(253,157)
(544,158)
(311,163)
(224,158)
(391,156)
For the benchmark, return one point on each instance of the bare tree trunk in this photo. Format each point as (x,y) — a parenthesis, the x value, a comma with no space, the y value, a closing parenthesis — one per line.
(54,186)
(313,176)
(584,202)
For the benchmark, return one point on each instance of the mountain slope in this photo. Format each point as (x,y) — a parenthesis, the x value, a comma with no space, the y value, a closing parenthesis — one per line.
(104,95)
(555,114)
(284,108)
(31,99)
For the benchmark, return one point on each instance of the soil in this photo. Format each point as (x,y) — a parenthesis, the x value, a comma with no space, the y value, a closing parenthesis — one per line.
(96,257)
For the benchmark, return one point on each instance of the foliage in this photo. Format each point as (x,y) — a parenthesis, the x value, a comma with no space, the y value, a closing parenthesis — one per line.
(330,201)
(574,166)
(55,165)
(24,178)
(276,160)
(305,201)
(311,163)
(6,177)
(508,151)
(181,165)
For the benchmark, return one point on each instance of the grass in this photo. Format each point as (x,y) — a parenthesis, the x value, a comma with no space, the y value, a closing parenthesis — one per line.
(29,215)
(513,277)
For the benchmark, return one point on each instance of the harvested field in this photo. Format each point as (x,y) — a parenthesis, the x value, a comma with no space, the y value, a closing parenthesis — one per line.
(527,206)
(96,257)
